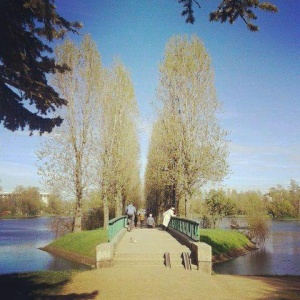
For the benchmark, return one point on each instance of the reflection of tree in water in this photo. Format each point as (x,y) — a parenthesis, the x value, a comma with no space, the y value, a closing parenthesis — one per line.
(258,262)
(60,264)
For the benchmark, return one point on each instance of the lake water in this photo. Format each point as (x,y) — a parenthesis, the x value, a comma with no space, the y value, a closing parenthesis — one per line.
(19,243)
(279,256)
(21,238)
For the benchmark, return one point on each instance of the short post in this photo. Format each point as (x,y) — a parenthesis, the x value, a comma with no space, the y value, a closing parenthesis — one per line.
(187,231)
(105,252)
(104,255)
(201,254)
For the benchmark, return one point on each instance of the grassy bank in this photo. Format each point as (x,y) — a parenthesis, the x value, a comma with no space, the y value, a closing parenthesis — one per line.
(81,243)
(226,243)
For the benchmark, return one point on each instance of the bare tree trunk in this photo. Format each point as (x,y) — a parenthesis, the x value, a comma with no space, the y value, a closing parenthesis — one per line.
(78,186)
(187,198)
(118,204)
(105,212)
(78,215)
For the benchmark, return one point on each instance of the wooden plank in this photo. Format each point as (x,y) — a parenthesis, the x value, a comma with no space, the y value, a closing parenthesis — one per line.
(167,259)
(186,261)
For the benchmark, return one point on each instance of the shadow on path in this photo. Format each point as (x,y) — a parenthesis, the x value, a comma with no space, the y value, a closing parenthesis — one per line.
(111,284)
(284,287)
(39,285)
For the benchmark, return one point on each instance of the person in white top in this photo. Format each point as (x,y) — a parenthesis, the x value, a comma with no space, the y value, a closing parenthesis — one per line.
(167,217)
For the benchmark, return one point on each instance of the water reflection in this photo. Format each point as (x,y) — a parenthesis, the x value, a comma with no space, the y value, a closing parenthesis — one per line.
(19,243)
(279,256)
(60,264)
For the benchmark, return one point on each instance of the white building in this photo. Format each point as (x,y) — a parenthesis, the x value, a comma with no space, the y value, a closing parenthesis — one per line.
(44,196)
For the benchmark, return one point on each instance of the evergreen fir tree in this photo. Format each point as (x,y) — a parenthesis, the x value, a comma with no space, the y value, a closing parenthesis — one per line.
(26,97)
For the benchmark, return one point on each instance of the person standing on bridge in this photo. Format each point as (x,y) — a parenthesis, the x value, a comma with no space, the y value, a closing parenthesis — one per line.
(167,217)
(130,212)
(150,221)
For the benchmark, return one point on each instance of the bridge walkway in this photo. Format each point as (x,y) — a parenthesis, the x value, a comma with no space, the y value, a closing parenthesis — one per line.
(147,247)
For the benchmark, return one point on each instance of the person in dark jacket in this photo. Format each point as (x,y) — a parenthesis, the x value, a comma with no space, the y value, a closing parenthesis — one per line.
(130,212)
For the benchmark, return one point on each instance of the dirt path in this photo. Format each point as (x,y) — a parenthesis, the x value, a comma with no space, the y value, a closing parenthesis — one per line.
(157,283)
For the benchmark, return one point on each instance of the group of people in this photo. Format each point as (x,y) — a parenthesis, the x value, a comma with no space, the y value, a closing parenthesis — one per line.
(134,218)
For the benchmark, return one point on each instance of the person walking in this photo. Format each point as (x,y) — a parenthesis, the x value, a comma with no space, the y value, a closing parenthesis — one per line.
(167,217)
(130,212)
(141,219)
(135,220)
(150,222)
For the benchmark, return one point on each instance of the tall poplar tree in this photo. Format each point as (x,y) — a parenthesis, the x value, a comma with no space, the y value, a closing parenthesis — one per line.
(158,178)
(67,157)
(119,155)
(192,147)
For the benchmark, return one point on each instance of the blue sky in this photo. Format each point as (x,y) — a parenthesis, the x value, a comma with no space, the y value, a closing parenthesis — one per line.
(256,77)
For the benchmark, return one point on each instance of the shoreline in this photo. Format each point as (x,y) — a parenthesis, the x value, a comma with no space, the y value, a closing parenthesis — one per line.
(234,253)
(70,256)
(92,262)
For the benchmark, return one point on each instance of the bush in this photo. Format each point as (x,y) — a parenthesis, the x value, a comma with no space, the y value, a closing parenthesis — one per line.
(60,226)
(205,222)
(93,219)
(258,228)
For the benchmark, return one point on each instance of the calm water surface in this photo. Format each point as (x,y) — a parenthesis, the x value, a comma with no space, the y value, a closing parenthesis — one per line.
(21,238)
(279,256)
(19,243)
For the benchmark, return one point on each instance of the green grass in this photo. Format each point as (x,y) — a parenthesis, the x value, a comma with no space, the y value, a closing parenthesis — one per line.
(33,285)
(223,241)
(83,243)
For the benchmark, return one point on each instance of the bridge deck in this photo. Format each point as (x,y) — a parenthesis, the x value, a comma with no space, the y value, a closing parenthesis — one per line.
(149,240)
(147,246)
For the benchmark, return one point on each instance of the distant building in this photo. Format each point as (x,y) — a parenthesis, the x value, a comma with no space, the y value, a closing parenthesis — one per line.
(44,196)
(4,195)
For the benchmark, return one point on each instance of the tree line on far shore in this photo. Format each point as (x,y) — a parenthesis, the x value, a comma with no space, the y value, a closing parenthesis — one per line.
(212,205)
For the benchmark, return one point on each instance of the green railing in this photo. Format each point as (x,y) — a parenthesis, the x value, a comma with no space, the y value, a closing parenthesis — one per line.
(115,226)
(187,227)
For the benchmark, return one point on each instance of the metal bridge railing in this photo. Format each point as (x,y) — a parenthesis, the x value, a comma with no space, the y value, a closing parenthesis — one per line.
(115,226)
(188,227)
